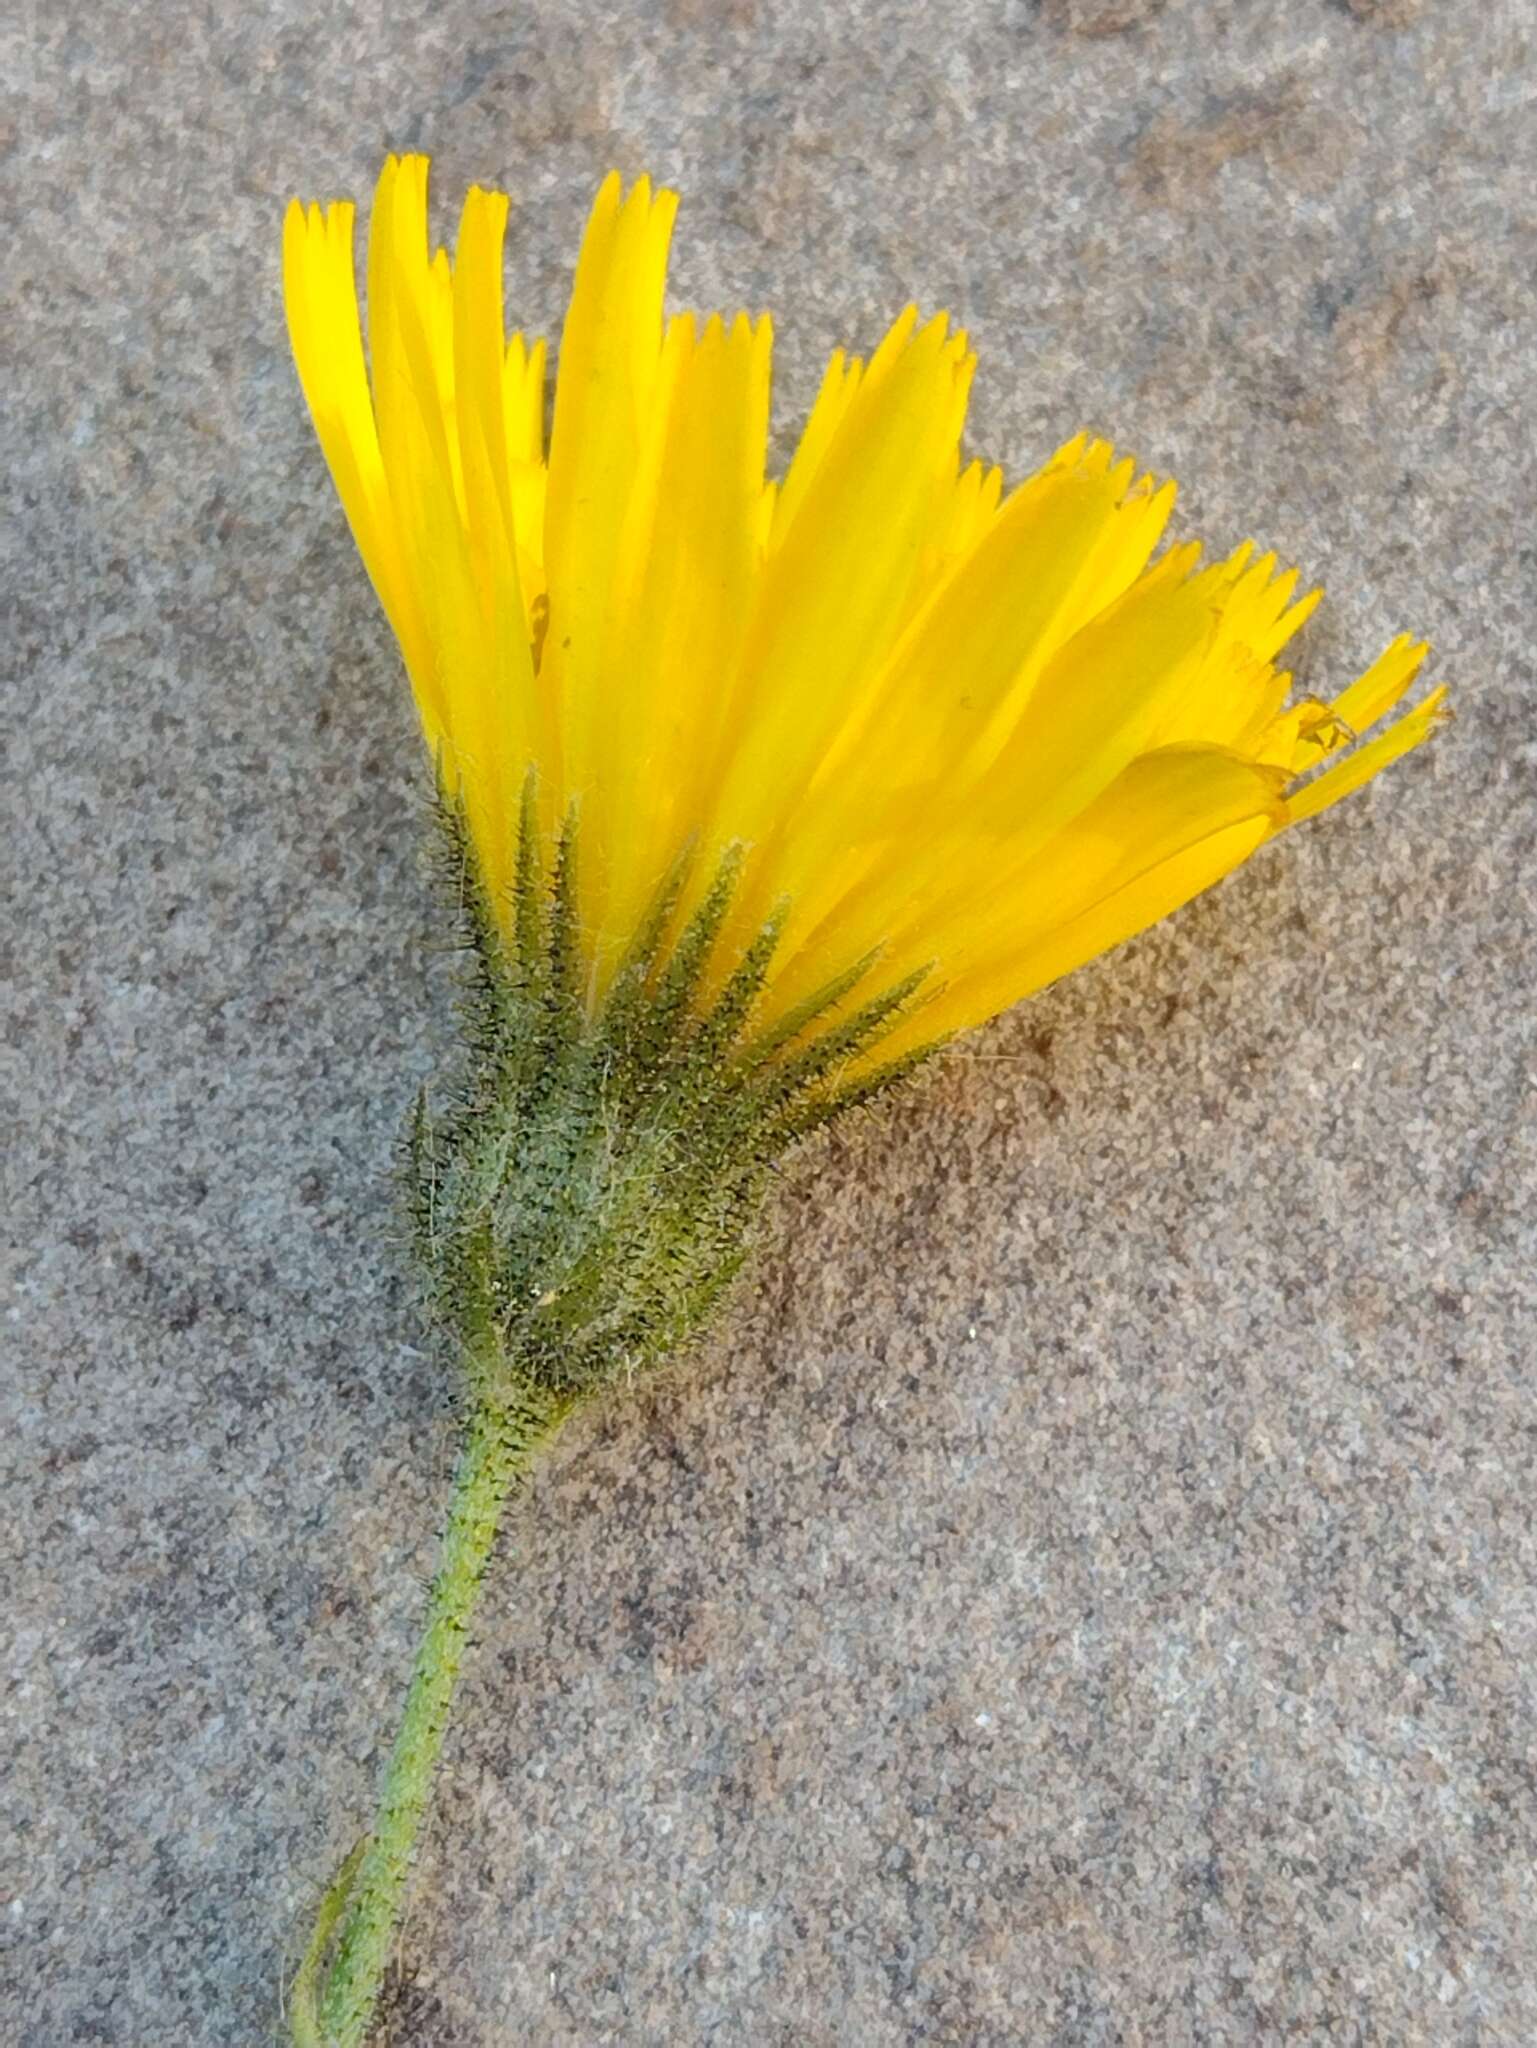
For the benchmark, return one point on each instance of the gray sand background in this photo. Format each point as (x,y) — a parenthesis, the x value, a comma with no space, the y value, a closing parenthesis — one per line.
(1089,1597)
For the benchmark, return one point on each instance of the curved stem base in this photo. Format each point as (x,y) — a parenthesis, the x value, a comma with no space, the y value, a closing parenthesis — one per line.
(332,2002)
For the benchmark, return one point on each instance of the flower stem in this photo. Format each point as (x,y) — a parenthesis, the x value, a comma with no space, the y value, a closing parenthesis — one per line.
(504,1435)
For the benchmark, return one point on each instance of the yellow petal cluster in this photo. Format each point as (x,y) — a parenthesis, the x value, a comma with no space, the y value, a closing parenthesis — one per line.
(995,733)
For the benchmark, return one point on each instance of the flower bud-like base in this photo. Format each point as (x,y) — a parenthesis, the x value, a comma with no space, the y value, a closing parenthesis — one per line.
(585,1199)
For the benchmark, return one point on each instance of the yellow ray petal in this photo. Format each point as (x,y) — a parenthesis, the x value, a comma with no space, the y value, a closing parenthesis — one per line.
(840,381)
(1237,695)
(1383,684)
(1097,706)
(972,508)
(481,672)
(1363,762)
(412,368)
(1112,691)
(954,685)
(477,340)
(1109,924)
(834,588)
(523,400)
(320,295)
(1106,923)
(610,356)
(683,595)
(1163,803)
(523,410)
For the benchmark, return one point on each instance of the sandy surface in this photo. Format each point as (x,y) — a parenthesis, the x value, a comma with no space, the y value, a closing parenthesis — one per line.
(1089,1598)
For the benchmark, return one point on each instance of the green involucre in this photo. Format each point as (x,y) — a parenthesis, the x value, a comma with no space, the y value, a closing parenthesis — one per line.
(583,1198)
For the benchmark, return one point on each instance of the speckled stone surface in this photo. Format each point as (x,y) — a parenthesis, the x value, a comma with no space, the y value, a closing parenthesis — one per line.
(1089,1598)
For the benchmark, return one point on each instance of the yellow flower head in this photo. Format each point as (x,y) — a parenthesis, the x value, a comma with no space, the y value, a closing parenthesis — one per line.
(950,728)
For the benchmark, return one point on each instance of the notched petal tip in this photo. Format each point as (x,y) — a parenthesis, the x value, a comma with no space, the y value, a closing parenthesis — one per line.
(1367,760)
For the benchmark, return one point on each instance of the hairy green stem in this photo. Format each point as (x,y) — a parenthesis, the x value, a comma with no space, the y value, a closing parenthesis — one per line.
(332,2005)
